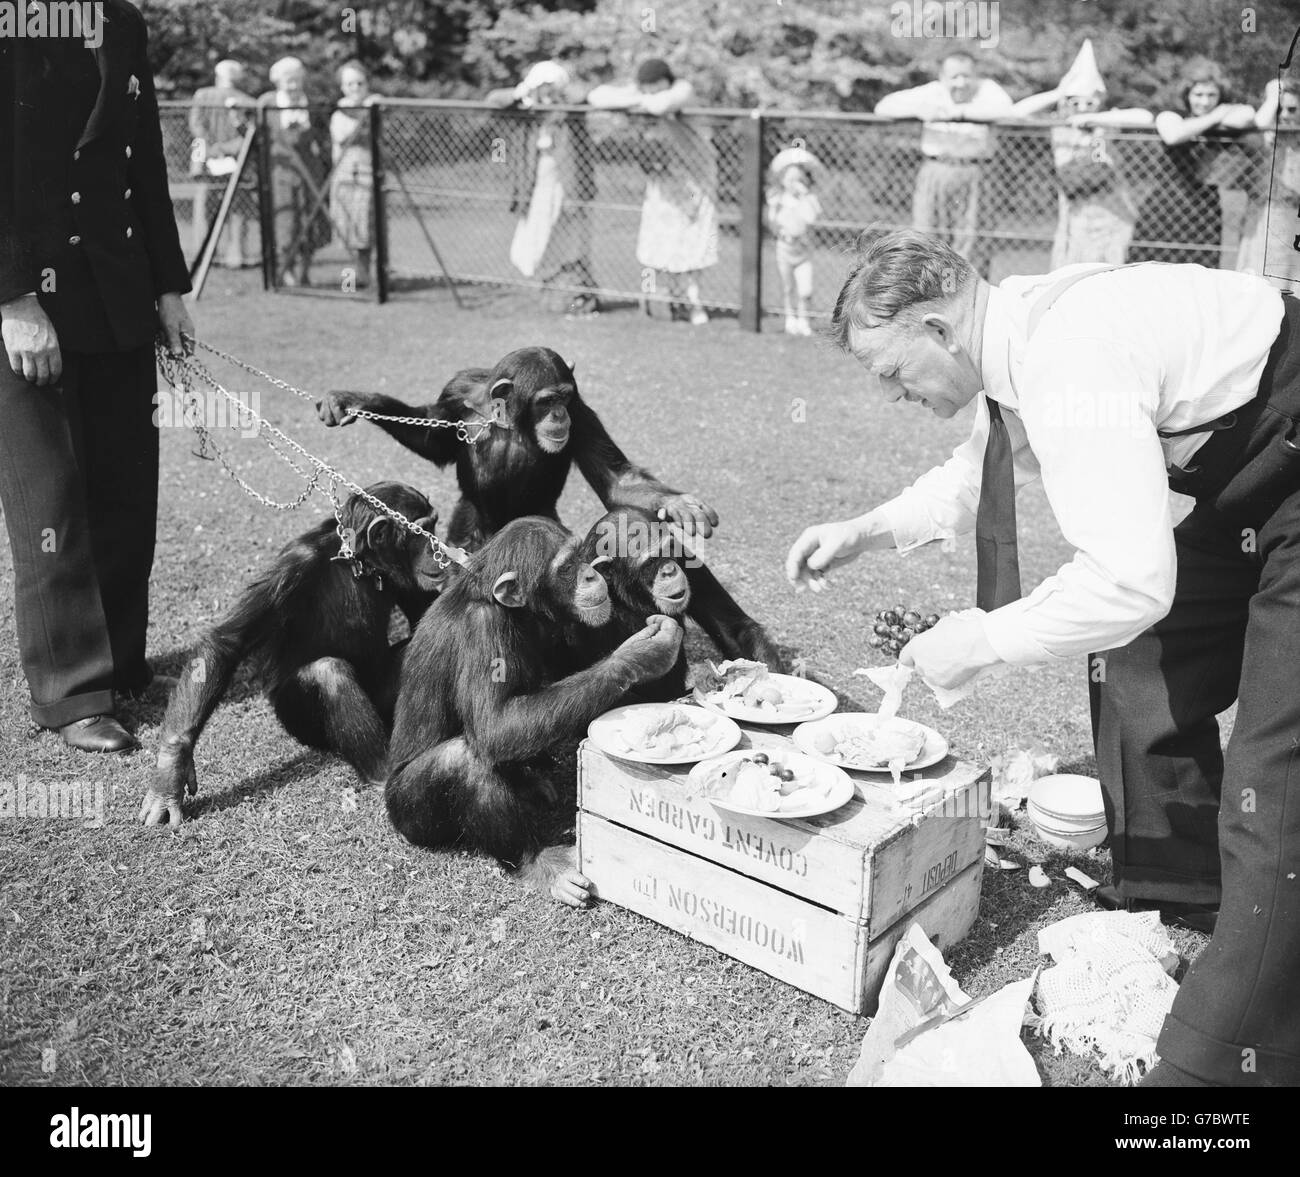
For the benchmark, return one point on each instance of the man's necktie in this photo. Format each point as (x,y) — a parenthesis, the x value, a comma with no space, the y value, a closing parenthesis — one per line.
(997,558)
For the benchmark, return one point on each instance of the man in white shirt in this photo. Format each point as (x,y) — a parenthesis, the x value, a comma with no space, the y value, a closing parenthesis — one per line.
(1119,387)
(956,142)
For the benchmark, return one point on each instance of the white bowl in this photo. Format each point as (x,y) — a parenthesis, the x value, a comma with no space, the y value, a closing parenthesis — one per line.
(1081,841)
(1068,797)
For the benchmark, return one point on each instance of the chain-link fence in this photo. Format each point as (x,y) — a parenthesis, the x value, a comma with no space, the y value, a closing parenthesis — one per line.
(595,207)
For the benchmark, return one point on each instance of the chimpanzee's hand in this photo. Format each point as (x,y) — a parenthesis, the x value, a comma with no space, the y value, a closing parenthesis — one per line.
(690,514)
(173,777)
(652,651)
(335,408)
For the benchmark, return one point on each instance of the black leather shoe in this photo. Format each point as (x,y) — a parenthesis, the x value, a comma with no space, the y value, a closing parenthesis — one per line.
(1195,916)
(98,733)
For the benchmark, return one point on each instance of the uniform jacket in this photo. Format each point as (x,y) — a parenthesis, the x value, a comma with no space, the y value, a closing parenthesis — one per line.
(86,219)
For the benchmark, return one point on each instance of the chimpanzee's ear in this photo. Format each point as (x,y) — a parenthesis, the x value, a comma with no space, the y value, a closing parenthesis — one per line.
(506,383)
(507,590)
(379,532)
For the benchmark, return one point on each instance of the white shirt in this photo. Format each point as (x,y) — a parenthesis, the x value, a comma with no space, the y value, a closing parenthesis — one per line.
(931,102)
(1119,356)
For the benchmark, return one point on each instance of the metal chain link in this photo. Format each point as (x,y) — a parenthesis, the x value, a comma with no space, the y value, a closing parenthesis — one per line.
(180,372)
(461,427)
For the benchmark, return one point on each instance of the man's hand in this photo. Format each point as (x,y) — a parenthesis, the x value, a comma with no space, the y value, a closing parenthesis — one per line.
(823,547)
(951,653)
(31,342)
(690,514)
(177,328)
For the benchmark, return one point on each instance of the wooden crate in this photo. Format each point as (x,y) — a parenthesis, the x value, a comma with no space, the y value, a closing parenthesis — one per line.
(818,902)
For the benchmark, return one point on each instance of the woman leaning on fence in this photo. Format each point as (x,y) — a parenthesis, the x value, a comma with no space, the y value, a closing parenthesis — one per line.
(352,181)
(299,167)
(552,185)
(679,215)
(1182,217)
(1097,211)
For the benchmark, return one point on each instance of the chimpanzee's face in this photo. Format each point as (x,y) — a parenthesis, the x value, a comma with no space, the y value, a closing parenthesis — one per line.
(577,584)
(666,584)
(550,417)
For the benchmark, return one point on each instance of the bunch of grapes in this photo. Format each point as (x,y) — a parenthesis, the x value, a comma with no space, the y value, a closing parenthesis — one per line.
(895,627)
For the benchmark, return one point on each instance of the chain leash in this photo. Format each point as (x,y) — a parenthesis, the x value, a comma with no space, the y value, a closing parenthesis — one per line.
(182,372)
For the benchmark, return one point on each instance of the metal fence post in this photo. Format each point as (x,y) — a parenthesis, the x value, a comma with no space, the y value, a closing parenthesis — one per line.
(751,224)
(378,211)
(265,212)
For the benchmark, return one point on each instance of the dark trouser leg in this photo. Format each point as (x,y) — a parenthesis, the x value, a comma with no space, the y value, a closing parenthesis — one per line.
(1236,1019)
(1157,739)
(62,632)
(119,453)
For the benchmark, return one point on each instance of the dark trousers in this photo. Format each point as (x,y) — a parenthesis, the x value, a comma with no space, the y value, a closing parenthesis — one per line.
(1188,824)
(79,486)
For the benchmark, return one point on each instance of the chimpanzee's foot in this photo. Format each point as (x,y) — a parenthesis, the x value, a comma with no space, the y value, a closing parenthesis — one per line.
(555,872)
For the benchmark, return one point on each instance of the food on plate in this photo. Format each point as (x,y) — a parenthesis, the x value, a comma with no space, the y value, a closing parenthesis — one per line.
(890,742)
(743,683)
(669,731)
(767,783)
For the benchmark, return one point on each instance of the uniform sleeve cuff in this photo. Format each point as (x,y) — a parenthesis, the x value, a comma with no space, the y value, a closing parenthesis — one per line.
(1005,630)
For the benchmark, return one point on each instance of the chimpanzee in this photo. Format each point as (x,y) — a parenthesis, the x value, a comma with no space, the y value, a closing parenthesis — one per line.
(316,629)
(522,469)
(482,699)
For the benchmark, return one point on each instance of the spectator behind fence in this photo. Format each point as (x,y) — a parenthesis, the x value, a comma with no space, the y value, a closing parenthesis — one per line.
(792,209)
(552,185)
(1269,228)
(91,271)
(299,166)
(956,145)
(220,115)
(1182,218)
(679,216)
(1097,211)
(352,181)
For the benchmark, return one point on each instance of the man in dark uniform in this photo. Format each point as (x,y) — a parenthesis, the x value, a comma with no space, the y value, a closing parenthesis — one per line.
(90,269)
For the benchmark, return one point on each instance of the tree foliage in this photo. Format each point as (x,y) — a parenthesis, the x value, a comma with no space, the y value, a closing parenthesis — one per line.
(793,54)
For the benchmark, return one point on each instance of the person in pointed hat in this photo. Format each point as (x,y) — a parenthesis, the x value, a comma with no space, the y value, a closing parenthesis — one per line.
(1097,211)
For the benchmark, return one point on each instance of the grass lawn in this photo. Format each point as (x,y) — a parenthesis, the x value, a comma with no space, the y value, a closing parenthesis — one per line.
(287,935)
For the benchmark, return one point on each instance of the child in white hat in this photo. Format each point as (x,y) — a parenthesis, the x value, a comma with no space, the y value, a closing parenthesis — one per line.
(792,209)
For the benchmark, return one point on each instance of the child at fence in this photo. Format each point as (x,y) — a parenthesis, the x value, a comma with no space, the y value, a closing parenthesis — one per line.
(678,236)
(352,181)
(552,186)
(792,209)
(1096,208)
(1269,228)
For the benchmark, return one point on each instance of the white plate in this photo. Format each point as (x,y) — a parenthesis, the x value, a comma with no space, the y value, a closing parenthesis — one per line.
(809,701)
(840,793)
(933,750)
(605,733)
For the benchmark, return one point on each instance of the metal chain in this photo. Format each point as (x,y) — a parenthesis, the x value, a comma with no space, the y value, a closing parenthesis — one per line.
(461,427)
(180,373)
